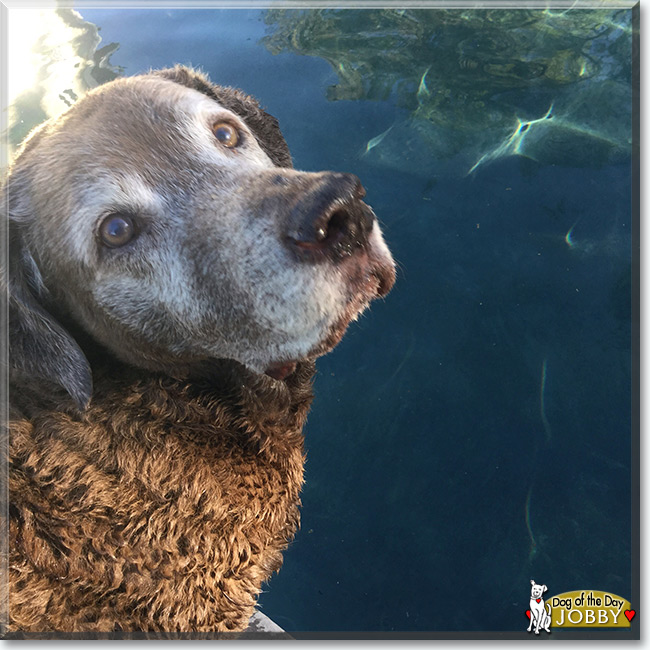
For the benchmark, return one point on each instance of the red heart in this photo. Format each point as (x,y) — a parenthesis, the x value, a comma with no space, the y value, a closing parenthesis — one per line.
(539,600)
(528,613)
(630,614)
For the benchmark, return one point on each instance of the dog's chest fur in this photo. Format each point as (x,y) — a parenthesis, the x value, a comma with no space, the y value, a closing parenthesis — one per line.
(163,507)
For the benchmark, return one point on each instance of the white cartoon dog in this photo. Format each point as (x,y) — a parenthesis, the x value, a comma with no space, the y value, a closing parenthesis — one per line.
(539,616)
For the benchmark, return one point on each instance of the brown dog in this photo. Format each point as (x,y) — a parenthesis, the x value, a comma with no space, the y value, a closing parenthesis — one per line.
(171,281)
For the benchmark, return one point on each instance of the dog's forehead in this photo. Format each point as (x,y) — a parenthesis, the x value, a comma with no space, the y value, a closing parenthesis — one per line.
(149,123)
(161,99)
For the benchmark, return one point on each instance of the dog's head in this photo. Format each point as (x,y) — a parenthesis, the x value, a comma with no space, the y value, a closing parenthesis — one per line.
(162,216)
(536,590)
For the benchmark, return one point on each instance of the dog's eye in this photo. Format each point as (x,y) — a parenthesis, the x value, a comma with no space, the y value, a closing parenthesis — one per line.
(116,230)
(226,134)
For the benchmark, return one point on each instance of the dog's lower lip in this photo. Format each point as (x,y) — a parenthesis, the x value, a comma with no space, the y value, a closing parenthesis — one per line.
(386,279)
(281,371)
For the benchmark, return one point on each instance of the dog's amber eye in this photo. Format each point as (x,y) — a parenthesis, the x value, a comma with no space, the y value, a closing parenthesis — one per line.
(116,230)
(226,134)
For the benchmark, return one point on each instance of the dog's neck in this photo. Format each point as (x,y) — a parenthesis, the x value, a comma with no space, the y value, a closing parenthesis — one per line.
(275,406)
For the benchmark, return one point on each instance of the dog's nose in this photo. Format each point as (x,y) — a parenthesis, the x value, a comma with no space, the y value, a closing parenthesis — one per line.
(330,219)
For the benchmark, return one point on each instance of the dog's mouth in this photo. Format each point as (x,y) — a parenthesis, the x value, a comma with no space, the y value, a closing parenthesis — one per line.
(369,275)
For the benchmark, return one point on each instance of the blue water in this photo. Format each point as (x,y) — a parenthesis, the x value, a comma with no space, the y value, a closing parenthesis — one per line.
(473,430)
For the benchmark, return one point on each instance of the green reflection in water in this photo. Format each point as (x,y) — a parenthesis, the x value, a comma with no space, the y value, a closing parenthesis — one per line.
(477,84)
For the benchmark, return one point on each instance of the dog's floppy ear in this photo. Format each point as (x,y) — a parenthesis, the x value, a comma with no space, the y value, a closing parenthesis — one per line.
(39,347)
(264,126)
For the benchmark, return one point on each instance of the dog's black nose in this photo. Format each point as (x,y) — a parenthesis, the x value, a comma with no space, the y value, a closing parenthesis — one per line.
(330,219)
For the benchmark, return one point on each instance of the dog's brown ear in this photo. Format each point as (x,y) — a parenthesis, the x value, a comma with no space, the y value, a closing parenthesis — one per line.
(39,347)
(264,126)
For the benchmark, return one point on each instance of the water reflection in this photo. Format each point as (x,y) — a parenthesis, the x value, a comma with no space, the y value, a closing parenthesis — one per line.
(54,58)
(477,84)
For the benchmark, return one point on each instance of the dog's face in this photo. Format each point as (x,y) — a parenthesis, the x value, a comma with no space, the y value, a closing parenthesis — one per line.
(536,591)
(170,226)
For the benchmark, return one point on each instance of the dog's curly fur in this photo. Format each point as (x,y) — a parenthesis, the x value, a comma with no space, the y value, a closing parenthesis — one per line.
(165,514)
